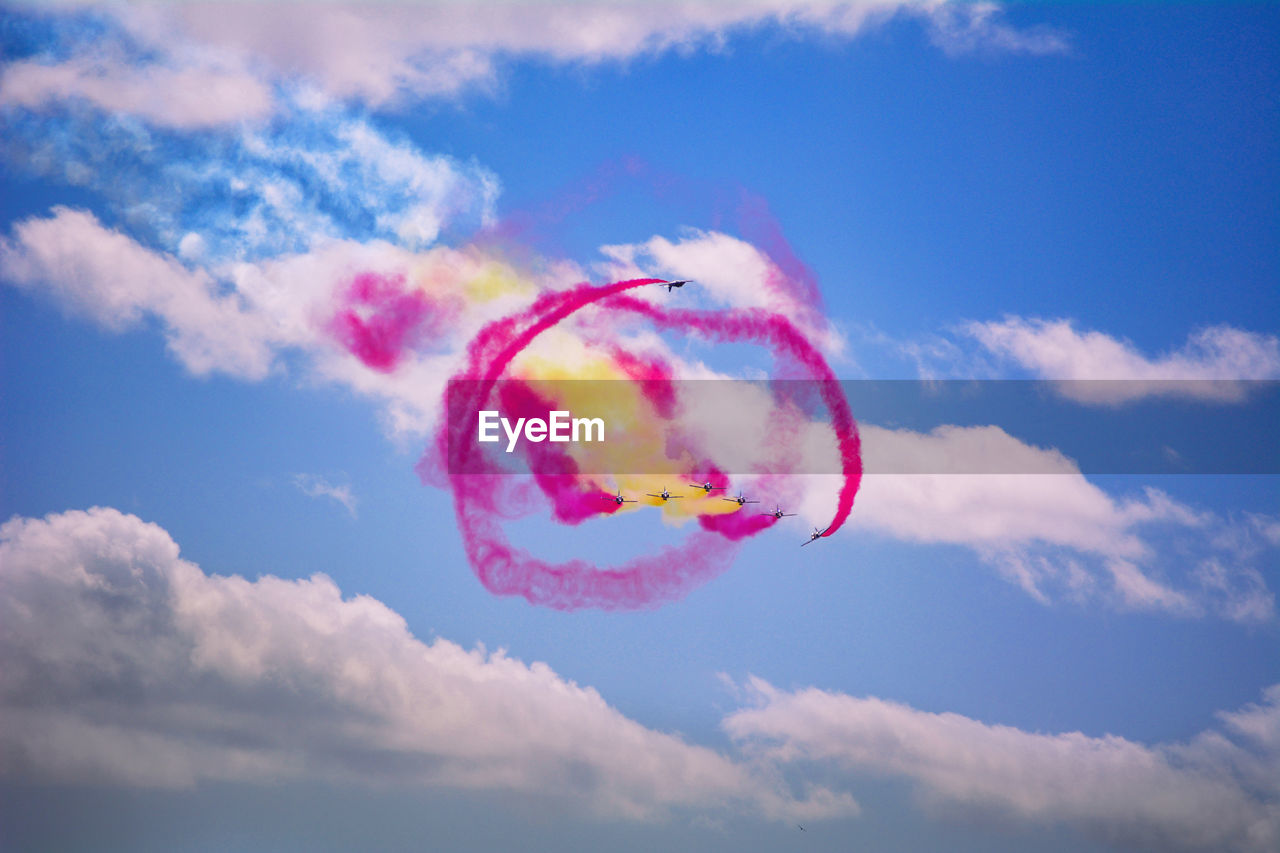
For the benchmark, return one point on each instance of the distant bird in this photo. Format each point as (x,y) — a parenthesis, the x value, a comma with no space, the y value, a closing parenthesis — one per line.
(801,828)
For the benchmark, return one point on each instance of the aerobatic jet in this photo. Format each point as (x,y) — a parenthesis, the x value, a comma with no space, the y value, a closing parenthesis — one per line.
(707,487)
(814,536)
(666,496)
(618,498)
(740,500)
(672,285)
(778,513)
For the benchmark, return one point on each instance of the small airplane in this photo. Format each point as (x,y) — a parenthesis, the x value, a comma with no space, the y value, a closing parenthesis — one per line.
(801,828)
(707,487)
(672,285)
(778,513)
(618,498)
(666,496)
(740,500)
(814,536)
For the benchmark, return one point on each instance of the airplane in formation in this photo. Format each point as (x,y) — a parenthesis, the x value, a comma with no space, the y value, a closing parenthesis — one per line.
(814,536)
(740,500)
(666,496)
(672,285)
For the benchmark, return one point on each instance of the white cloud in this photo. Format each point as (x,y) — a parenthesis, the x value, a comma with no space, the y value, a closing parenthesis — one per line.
(1220,791)
(241,320)
(315,486)
(207,63)
(113,280)
(1054,349)
(240,317)
(726,272)
(976,26)
(1045,527)
(191,97)
(439,48)
(125,664)
(1051,531)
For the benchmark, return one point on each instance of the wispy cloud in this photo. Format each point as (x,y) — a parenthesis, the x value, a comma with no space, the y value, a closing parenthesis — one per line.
(111,279)
(1055,349)
(1053,532)
(315,486)
(190,97)
(127,665)
(1218,791)
(244,193)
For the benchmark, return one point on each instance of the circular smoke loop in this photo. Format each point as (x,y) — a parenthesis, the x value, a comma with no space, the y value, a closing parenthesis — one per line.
(482,500)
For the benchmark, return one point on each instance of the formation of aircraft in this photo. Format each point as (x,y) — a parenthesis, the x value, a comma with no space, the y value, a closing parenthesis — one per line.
(740,500)
(666,496)
(707,487)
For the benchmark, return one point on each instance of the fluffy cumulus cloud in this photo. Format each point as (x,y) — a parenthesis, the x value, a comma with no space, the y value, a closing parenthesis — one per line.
(1054,533)
(1055,349)
(125,664)
(391,51)
(1218,791)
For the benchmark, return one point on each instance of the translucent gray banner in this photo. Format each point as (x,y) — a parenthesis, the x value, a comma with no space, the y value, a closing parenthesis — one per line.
(685,428)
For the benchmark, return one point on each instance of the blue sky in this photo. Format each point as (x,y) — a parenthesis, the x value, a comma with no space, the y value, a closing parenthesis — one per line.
(234,614)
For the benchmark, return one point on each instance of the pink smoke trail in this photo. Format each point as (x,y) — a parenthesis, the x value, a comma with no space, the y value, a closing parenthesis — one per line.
(780,335)
(380,319)
(645,581)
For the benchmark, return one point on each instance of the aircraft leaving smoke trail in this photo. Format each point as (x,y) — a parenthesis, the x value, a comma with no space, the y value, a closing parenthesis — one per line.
(483,496)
